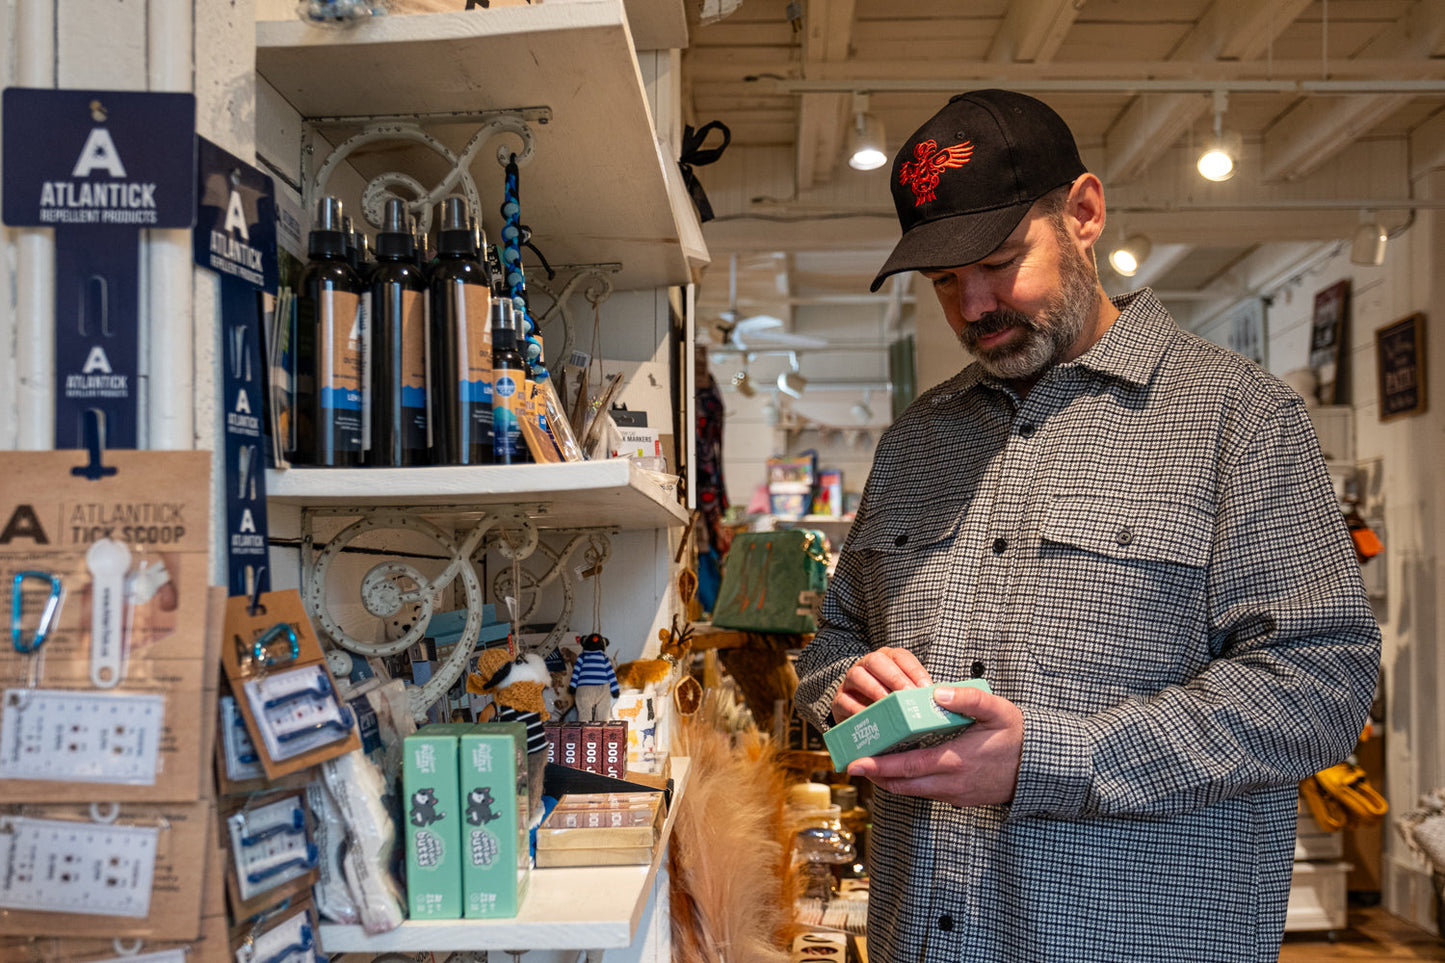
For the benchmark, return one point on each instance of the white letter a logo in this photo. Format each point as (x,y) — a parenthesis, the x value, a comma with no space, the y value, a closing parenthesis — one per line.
(236,217)
(96,361)
(99,151)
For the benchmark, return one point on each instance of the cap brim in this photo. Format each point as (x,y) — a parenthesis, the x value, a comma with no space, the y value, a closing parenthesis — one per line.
(951,241)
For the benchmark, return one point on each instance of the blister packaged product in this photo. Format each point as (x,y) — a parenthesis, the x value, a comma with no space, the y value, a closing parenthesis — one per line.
(330,892)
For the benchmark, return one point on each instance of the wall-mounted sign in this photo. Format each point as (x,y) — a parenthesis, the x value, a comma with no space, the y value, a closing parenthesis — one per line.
(235,236)
(1329,330)
(98,166)
(1400,355)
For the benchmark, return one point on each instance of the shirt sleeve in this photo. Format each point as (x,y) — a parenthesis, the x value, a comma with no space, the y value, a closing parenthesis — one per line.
(1297,657)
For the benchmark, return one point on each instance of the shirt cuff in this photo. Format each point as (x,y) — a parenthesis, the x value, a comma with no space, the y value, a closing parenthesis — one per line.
(1055,769)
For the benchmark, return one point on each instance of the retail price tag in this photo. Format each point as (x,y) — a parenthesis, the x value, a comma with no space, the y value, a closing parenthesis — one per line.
(73,736)
(71,867)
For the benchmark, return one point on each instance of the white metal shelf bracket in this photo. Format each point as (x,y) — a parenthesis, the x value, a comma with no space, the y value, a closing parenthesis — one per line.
(595,280)
(394,583)
(419,199)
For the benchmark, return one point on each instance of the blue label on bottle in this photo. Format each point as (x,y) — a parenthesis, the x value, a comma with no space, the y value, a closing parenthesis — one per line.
(506,387)
(345,399)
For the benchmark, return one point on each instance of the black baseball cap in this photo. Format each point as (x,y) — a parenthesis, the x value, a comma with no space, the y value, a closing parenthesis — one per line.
(967,177)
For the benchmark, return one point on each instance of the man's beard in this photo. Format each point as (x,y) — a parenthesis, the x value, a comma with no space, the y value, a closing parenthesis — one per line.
(1045,338)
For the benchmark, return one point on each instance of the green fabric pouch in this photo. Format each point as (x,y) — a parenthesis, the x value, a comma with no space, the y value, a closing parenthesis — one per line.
(770,581)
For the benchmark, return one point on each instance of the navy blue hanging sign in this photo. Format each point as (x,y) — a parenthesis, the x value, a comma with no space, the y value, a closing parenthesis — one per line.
(98,166)
(236,237)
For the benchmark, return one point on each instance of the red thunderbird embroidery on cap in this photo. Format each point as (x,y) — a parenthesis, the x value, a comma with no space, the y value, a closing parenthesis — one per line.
(922,175)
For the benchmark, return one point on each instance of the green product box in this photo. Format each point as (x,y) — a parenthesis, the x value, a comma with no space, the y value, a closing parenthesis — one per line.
(433,823)
(498,863)
(900,720)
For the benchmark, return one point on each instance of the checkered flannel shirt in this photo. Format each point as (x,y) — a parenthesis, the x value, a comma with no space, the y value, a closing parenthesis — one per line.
(1148,559)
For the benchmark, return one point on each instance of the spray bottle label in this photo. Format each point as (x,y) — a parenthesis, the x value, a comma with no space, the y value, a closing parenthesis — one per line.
(413,365)
(507,411)
(474,350)
(339,366)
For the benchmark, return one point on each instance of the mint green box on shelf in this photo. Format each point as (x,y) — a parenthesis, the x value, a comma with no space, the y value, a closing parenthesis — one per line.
(899,720)
(433,822)
(498,862)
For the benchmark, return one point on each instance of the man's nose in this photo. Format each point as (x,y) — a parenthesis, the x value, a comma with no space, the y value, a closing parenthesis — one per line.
(975,295)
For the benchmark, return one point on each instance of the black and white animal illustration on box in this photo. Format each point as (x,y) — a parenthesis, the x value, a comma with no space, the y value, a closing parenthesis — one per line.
(479,806)
(424,808)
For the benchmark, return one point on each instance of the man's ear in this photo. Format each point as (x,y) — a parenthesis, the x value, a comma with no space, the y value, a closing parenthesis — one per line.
(1085,211)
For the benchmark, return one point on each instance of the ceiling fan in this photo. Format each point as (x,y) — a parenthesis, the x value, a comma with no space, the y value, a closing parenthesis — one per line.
(755,332)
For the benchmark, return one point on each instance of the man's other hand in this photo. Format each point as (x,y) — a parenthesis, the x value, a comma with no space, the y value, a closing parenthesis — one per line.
(978,767)
(875,675)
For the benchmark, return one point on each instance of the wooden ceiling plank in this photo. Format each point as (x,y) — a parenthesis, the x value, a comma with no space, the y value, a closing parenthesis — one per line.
(827,38)
(1151,125)
(1427,146)
(1316,130)
(1033,31)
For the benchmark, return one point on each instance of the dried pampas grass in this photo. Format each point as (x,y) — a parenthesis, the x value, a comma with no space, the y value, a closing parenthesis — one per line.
(732,894)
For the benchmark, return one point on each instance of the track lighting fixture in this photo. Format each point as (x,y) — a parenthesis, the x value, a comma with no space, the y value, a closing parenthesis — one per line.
(861,411)
(790,382)
(1221,154)
(865,137)
(1368,246)
(1126,258)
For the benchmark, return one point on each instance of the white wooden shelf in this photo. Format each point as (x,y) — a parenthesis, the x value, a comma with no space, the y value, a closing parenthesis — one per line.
(597,190)
(606,493)
(581,908)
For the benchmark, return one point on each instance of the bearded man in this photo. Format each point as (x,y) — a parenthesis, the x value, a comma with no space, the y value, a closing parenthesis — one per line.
(1129,533)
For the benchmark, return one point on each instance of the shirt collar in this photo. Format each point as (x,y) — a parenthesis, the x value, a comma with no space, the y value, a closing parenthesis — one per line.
(1130,350)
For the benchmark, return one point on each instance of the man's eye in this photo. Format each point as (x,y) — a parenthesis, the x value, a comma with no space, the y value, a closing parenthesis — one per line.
(999,265)
(939,282)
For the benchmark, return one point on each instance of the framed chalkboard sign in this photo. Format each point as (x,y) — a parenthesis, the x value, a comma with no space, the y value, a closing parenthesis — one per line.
(1329,329)
(1400,353)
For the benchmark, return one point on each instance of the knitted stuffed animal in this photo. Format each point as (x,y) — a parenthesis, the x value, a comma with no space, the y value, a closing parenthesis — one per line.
(517,686)
(594,681)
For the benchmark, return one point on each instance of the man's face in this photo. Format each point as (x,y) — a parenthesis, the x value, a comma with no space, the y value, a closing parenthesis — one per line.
(1027,306)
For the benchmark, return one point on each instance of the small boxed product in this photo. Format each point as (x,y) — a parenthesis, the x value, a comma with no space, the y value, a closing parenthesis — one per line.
(497,865)
(429,778)
(603,821)
(900,720)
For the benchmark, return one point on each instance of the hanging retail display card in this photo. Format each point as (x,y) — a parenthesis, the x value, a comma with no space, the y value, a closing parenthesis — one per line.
(98,166)
(107,585)
(78,737)
(277,668)
(235,236)
(70,867)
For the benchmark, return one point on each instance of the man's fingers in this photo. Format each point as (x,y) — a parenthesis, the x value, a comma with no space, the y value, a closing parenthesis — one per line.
(965,700)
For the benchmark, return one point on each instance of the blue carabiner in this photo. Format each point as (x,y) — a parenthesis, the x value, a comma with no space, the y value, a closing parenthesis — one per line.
(48,616)
(258,651)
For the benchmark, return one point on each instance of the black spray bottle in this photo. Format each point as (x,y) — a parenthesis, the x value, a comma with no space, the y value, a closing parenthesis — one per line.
(331,333)
(399,348)
(461,356)
(509,380)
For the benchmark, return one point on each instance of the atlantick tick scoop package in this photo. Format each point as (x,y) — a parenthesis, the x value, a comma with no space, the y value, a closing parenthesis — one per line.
(900,720)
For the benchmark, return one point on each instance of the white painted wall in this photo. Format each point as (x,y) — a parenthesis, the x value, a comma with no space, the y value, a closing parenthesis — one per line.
(1412,279)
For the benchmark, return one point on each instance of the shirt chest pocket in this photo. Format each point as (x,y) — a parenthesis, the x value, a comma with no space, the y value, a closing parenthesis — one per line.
(1122,594)
(903,564)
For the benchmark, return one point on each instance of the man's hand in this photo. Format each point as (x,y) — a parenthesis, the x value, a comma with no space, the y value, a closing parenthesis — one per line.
(875,675)
(978,767)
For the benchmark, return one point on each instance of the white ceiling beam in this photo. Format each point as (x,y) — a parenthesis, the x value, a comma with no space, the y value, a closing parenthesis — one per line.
(1033,31)
(1316,130)
(1427,147)
(1151,125)
(823,117)
(923,74)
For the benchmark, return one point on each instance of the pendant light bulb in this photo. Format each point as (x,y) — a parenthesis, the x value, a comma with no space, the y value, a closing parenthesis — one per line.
(865,138)
(1126,258)
(1221,155)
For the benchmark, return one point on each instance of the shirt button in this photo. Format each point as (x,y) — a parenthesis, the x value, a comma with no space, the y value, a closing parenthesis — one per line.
(901,541)
(1124,537)
(945,923)
(1000,545)
(976,670)
(1026,430)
